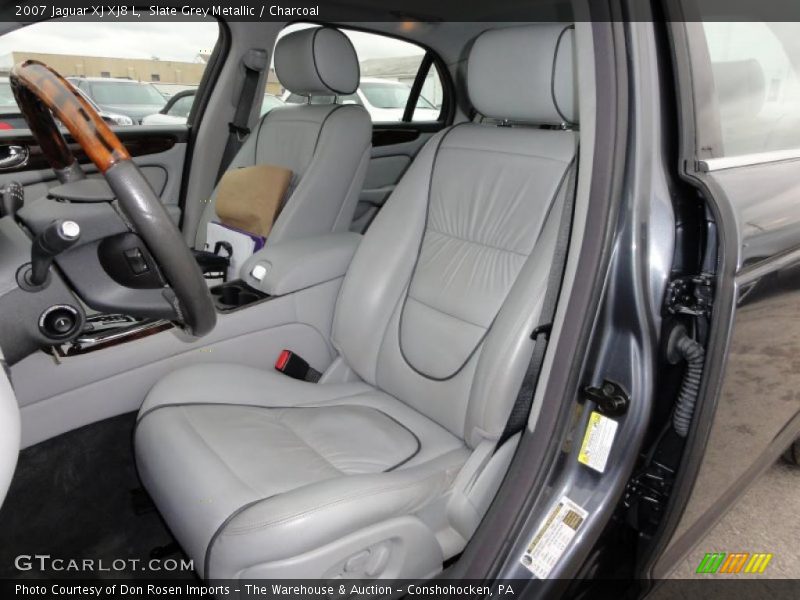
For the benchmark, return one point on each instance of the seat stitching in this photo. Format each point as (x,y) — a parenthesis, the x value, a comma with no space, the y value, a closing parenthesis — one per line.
(444,312)
(323,404)
(387,469)
(316,69)
(309,446)
(250,527)
(477,243)
(178,404)
(547,217)
(416,264)
(216,454)
(550,158)
(553,74)
(221,530)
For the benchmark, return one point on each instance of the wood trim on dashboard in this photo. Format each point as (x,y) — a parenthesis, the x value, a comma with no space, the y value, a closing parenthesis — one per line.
(135,146)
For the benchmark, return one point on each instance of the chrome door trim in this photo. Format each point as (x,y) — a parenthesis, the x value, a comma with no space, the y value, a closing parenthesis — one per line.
(17,157)
(745,160)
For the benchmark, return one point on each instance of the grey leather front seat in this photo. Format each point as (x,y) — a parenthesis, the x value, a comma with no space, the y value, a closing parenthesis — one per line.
(259,475)
(327,147)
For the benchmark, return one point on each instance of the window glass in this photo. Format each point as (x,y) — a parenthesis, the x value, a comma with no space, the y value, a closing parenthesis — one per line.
(269,102)
(125,93)
(389,68)
(7,101)
(755,67)
(182,106)
(390,94)
(350,99)
(127,70)
(290,98)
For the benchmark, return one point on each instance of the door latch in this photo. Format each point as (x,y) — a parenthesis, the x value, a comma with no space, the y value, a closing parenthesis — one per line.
(610,398)
(690,295)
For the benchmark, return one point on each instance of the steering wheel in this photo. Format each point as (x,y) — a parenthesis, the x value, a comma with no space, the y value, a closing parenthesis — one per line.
(39,90)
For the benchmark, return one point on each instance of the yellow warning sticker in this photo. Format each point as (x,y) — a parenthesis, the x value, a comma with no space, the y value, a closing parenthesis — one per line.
(597,441)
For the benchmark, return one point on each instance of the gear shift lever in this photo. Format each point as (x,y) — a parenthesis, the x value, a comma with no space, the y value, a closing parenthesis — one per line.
(52,241)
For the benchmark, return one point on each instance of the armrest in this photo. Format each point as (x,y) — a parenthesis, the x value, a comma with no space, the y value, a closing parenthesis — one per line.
(292,265)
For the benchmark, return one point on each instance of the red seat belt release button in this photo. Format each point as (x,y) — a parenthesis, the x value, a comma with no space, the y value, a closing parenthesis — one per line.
(283,360)
(292,365)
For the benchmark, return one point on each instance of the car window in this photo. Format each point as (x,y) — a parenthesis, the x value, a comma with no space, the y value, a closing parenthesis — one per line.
(756,73)
(269,103)
(127,69)
(9,117)
(182,106)
(290,98)
(350,99)
(6,96)
(385,94)
(124,93)
(389,68)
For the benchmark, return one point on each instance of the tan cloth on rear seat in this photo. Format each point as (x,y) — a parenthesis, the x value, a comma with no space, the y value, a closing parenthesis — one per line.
(250,198)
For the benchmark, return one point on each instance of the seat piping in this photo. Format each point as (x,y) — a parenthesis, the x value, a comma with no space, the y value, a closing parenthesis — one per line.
(419,253)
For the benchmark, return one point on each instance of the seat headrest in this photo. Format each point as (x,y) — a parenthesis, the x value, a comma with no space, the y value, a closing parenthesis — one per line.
(524,73)
(317,62)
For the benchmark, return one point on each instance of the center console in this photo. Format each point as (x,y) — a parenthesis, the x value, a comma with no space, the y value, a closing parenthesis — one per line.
(285,268)
(102,331)
(271,272)
(235,294)
(299,264)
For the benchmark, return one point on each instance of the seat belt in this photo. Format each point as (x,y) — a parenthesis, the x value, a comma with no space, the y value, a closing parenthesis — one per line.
(255,63)
(518,417)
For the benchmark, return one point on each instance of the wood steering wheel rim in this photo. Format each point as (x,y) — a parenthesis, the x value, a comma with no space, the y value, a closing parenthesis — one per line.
(38,90)
(42,93)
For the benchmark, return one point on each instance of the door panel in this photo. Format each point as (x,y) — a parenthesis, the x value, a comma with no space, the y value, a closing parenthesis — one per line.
(757,414)
(754,180)
(159,151)
(383,173)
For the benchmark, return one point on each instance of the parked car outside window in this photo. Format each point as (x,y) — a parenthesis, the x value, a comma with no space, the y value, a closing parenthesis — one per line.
(11,118)
(384,99)
(134,99)
(177,109)
(7,101)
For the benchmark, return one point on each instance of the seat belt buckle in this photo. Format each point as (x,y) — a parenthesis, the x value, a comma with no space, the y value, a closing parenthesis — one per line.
(296,367)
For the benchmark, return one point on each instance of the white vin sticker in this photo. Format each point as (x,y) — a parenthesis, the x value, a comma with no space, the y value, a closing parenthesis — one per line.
(597,441)
(553,537)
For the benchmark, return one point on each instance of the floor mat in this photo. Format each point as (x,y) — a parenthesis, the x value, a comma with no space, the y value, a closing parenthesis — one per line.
(71,499)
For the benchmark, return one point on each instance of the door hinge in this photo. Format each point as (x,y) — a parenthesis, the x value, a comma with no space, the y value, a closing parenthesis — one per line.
(646,496)
(690,295)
